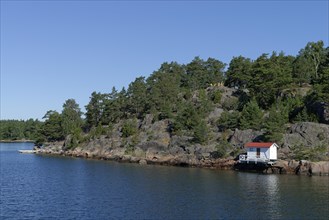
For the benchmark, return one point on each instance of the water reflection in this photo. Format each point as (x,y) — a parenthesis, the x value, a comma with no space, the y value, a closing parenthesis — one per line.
(41,187)
(261,192)
(271,187)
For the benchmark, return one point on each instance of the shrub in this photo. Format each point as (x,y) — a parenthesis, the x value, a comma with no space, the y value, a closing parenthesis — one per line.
(129,128)
(130,149)
(230,104)
(216,96)
(222,148)
(201,133)
(310,153)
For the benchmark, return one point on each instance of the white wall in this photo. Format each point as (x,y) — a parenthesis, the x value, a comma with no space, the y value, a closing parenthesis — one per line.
(264,153)
(273,153)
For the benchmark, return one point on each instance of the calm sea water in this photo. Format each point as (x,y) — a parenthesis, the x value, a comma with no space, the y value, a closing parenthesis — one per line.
(48,187)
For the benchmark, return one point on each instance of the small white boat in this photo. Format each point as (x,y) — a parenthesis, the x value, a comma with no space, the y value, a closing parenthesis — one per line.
(27,151)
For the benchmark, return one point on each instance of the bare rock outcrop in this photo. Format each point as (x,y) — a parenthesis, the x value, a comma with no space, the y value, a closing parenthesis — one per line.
(305,135)
(240,137)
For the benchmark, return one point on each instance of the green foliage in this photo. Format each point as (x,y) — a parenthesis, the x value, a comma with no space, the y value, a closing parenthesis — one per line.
(292,104)
(269,76)
(239,72)
(20,129)
(166,112)
(187,118)
(71,117)
(113,105)
(11,130)
(316,153)
(223,147)
(221,150)
(137,97)
(228,120)
(179,92)
(39,141)
(320,92)
(244,98)
(163,87)
(216,96)
(129,128)
(304,115)
(314,54)
(200,74)
(230,104)
(130,146)
(130,149)
(52,128)
(302,70)
(251,116)
(74,139)
(95,109)
(201,135)
(203,104)
(275,124)
(95,132)
(273,84)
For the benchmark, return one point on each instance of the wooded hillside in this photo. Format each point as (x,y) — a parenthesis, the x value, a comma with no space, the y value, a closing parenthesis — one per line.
(203,97)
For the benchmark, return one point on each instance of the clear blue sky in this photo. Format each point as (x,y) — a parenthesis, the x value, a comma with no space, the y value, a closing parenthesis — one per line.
(55,50)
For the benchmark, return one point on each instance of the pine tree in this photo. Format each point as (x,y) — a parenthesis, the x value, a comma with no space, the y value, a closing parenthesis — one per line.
(71,117)
(274,123)
(201,132)
(228,120)
(251,116)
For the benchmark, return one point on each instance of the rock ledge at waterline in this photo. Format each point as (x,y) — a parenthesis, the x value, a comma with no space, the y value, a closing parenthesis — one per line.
(159,157)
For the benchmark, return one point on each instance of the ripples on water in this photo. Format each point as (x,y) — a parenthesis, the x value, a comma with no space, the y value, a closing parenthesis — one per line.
(41,187)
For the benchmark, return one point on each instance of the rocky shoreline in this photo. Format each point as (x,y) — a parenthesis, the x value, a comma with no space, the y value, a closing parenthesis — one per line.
(154,144)
(303,167)
(148,158)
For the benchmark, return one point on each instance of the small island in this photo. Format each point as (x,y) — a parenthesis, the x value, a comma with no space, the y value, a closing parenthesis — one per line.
(200,114)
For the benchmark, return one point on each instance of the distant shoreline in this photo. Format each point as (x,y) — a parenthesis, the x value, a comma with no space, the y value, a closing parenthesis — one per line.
(17,141)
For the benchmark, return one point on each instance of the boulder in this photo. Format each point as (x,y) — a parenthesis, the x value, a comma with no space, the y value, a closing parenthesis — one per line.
(142,162)
(305,167)
(319,168)
(215,114)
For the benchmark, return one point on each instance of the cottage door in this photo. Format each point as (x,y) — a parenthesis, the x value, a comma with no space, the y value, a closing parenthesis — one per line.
(258,153)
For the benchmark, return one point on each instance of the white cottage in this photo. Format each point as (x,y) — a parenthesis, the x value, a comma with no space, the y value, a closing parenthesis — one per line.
(260,152)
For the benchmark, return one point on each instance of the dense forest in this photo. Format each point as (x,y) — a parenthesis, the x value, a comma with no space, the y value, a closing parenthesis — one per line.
(269,92)
(12,130)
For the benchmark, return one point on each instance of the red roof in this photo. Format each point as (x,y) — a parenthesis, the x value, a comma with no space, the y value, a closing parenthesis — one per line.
(258,144)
